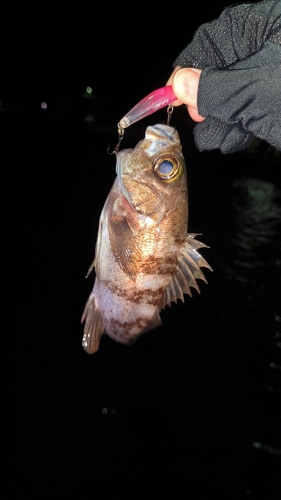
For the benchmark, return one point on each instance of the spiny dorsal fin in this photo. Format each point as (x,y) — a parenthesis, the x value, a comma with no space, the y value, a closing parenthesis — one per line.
(187,272)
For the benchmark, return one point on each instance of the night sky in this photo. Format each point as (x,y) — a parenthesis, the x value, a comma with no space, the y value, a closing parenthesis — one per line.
(122,57)
(191,408)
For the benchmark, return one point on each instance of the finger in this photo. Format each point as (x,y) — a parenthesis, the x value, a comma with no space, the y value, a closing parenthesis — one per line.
(193,113)
(170,82)
(185,85)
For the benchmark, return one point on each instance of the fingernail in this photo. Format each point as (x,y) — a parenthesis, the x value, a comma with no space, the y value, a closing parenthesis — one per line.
(185,84)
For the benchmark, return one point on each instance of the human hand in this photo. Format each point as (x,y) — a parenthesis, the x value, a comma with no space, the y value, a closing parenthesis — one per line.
(238,90)
(185,83)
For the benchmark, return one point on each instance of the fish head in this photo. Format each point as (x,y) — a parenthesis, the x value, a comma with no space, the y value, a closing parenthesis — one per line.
(153,173)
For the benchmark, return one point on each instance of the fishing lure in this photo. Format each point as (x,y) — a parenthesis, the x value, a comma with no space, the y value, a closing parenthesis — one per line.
(153,102)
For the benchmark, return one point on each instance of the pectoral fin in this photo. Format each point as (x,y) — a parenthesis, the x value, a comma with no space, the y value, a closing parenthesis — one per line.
(93,328)
(124,247)
(187,271)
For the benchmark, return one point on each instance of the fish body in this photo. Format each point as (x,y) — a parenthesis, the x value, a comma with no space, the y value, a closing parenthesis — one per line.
(144,257)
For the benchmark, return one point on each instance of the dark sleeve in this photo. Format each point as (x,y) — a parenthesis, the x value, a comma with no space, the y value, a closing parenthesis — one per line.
(240,85)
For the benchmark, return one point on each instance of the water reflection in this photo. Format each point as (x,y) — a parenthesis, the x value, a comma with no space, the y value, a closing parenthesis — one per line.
(251,270)
(257,205)
(254,261)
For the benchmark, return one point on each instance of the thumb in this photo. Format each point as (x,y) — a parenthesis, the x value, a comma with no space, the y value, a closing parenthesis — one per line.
(185,87)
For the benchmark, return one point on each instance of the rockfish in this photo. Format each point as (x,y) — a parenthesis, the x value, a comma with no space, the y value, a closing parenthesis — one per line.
(144,257)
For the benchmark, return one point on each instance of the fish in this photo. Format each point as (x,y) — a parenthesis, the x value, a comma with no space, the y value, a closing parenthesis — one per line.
(144,257)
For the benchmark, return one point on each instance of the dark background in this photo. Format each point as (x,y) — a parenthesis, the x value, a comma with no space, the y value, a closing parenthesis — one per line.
(192,409)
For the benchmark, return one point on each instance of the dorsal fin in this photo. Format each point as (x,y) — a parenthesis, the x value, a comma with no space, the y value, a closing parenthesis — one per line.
(187,271)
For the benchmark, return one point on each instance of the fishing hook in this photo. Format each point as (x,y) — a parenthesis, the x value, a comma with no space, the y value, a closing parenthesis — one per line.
(120,137)
(170,110)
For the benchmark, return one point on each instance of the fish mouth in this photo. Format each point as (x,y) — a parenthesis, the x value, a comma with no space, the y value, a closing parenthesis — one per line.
(119,162)
(125,191)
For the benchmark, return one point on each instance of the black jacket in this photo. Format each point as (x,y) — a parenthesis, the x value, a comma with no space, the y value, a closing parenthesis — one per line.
(240,85)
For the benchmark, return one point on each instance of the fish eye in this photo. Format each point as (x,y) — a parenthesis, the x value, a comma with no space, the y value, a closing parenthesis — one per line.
(168,168)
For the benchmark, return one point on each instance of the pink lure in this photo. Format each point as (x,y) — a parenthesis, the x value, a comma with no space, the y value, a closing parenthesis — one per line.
(152,102)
